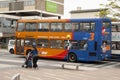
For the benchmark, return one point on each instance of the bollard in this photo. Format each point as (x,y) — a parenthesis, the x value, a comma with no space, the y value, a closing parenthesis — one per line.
(16,77)
(62,66)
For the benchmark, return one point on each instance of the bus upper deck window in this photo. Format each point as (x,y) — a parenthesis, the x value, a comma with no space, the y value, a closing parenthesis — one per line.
(106,24)
(43,27)
(21,26)
(68,27)
(75,26)
(31,26)
(87,26)
(56,27)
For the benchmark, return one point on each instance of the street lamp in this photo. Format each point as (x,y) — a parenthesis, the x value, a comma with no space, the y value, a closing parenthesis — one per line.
(41,9)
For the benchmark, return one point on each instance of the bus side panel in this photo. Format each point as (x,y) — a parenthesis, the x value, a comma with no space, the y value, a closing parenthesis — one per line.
(53,53)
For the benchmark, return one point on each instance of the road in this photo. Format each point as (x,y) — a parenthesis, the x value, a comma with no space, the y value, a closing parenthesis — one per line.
(10,64)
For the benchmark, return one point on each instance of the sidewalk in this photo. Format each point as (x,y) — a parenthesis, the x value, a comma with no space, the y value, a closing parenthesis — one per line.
(3,50)
(50,73)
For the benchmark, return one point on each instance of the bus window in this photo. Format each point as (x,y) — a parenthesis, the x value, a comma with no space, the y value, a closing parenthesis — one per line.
(68,27)
(43,27)
(83,45)
(42,43)
(21,26)
(114,46)
(116,27)
(118,45)
(71,44)
(87,26)
(106,25)
(29,42)
(31,26)
(75,26)
(56,44)
(74,45)
(56,27)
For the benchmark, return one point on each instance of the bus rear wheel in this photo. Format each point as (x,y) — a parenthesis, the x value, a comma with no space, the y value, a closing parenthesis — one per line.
(72,57)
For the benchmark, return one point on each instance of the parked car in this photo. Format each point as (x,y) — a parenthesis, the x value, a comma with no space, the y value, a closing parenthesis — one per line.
(11,45)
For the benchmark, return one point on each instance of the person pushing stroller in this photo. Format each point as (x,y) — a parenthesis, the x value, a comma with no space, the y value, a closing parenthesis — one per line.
(32,58)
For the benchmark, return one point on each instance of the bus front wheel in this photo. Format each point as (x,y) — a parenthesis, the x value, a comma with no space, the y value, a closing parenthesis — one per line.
(11,51)
(72,57)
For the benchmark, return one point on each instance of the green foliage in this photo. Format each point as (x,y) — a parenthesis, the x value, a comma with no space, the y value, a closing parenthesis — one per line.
(113,9)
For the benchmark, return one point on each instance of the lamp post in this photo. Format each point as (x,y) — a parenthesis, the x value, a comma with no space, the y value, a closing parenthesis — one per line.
(41,9)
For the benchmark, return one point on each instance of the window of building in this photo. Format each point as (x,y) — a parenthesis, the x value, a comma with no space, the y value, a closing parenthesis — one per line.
(56,44)
(4,4)
(42,43)
(56,27)
(87,27)
(44,27)
(31,26)
(29,3)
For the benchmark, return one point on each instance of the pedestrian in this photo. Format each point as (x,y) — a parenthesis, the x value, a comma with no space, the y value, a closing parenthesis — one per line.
(35,55)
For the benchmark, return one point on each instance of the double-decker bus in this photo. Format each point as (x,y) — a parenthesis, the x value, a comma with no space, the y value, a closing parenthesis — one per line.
(115,37)
(66,39)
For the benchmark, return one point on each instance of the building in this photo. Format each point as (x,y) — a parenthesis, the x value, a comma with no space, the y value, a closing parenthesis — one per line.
(87,13)
(12,10)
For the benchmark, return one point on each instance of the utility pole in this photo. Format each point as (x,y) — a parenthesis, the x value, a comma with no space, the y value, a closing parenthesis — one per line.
(41,9)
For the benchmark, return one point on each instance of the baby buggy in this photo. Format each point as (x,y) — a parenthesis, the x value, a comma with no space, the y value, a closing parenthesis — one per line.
(28,62)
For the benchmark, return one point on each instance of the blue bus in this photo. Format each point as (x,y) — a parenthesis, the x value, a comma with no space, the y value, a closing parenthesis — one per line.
(91,40)
(71,39)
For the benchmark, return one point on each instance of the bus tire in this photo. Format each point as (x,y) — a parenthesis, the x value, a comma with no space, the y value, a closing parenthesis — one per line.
(72,57)
(11,51)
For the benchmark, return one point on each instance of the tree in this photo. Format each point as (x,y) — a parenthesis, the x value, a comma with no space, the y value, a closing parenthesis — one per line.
(112,9)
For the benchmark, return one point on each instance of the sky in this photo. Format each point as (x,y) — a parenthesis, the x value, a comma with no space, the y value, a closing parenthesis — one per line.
(84,4)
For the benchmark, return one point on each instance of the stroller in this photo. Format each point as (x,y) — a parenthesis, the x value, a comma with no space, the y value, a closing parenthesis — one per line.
(28,62)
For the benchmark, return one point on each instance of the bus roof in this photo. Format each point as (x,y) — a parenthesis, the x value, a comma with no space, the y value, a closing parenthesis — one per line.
(90,19)
(45,20)
(65,20)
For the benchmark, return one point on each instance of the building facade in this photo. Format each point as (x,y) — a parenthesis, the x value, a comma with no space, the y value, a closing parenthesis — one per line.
(12,10)
(87,13)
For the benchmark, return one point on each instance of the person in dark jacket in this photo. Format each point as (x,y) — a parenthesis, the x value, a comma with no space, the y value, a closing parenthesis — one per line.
(35,55)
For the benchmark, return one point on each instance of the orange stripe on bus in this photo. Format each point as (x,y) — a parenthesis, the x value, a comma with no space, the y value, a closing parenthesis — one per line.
(46,20)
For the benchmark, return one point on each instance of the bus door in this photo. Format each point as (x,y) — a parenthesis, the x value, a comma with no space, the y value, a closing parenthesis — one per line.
(19,46)
(92,50)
